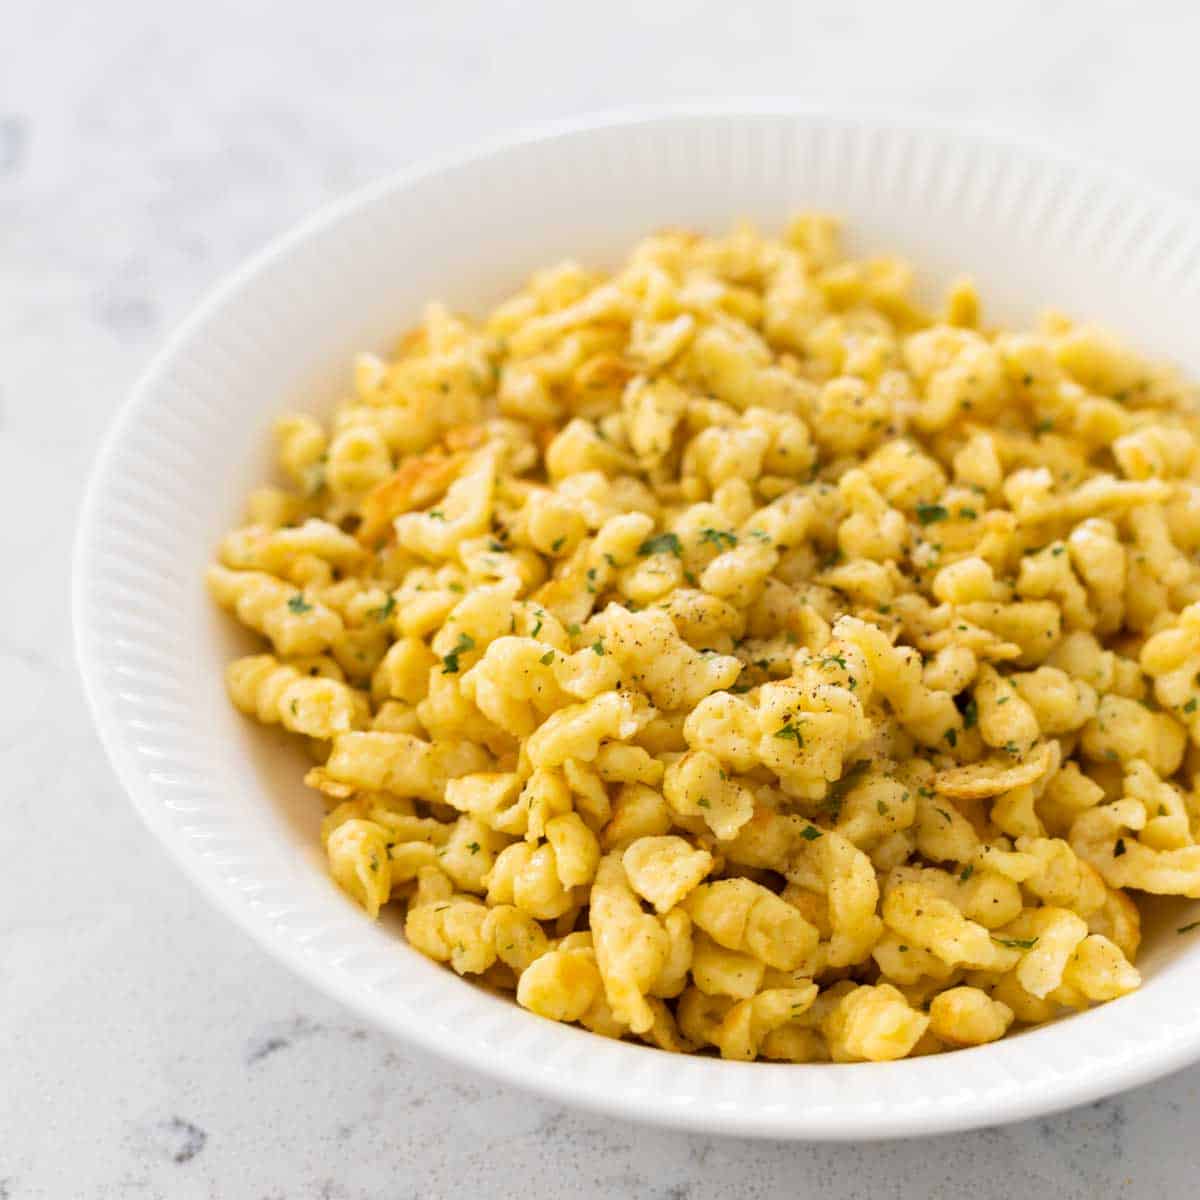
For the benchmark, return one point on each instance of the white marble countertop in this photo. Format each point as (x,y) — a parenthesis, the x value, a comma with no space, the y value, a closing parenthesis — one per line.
(147,1048)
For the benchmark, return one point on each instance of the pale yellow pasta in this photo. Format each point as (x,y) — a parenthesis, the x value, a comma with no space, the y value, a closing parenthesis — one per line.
(967,1016)
(729,653)
(304,696)
(875,1024)
(662,870)
(358,859)
(561,984)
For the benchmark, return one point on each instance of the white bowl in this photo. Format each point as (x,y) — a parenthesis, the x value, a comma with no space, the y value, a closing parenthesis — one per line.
(226,799)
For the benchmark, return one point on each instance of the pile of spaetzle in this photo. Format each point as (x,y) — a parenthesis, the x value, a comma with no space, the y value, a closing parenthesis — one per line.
(730,654)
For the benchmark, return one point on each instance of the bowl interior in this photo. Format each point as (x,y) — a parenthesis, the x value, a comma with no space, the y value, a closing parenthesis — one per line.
(228,798)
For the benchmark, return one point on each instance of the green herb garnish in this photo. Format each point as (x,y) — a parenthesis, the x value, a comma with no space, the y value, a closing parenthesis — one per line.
(385,610)
(1016,943)
(720,538)
(450,661)
(663,543)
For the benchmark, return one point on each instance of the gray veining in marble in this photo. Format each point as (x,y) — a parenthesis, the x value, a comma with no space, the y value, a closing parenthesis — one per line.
(146,1047)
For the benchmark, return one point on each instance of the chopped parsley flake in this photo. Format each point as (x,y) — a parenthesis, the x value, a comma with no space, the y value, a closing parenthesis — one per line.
(385,610)
(810,833)
(537,628)
(473,847)
(547,658)
(557,545)
(450,661)
(436,514)
(1190,706)
(298,604)
(663,543)
(598,647)
(721,538)
(928,513)
(703,802)
(970,714)
(1016,943)
(790,731)
(965,874)
(952,737)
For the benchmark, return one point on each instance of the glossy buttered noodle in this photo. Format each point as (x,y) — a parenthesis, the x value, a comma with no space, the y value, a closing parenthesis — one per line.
(730,654)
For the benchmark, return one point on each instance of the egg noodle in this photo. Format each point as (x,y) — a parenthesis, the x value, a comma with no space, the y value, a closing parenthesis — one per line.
(730,654)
